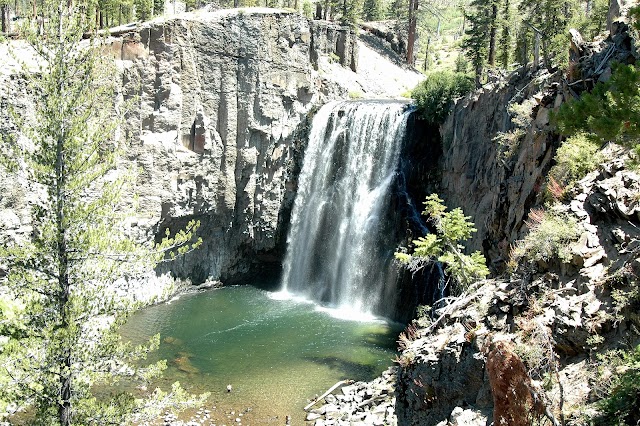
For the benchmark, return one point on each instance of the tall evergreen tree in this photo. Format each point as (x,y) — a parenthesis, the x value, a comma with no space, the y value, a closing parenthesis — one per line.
(505,34)
(476,41)
(372,10)
(61,278)
(347,11)
(549,20)
(411,31)
(4,16)
(493,31)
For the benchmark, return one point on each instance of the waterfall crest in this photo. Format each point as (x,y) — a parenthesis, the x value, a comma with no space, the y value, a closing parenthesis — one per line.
(336,253)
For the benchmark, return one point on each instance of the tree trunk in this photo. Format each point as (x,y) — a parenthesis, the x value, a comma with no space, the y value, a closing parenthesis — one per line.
(545,54)
(536,51)
(426,55)
(5,18)
(505,38)
(64,288)
(492,35)
(411,36)
(525,50)
(236,3)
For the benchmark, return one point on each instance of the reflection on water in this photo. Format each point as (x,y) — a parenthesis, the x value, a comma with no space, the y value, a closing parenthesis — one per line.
(275,353)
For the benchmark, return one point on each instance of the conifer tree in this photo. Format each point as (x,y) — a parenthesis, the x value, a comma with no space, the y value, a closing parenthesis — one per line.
(505,34)
(549,20)
(476,41)
(371,10)
(493,31)
(63,346)
(347,11)
(451,228)
(4,16)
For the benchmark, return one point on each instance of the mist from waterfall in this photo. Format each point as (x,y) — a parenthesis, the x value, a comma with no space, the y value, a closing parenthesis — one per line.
(337,252)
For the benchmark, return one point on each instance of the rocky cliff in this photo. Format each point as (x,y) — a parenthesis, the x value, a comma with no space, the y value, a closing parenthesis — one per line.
(499,143)
(219,99)
(542,343)
(530,345)
(217,105)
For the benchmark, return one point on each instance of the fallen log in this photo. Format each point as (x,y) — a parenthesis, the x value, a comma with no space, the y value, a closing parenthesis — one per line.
(331,389)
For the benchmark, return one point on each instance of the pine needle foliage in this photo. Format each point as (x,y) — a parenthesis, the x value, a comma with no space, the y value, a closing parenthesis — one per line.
(621,406)
(435,95)
(611,112)
(452,228)
(59,313)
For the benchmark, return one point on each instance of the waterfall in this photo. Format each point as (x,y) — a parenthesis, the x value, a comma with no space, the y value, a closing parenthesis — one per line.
(338,251)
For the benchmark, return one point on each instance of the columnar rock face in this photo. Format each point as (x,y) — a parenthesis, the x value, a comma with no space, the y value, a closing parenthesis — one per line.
(494,168)
(493,183)
(217,106)
(218,100)
(214,127)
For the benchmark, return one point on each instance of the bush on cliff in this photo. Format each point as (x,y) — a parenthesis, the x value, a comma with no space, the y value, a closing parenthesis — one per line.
(576,157)
(622,405)
(551,236)
(434,96)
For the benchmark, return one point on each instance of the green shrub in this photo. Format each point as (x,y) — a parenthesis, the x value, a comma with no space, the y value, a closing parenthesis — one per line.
(434,96)
(551,235)
(521,117)
(576,157)
(622,405)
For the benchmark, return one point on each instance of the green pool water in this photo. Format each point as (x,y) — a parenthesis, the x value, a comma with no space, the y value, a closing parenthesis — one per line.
(275,353)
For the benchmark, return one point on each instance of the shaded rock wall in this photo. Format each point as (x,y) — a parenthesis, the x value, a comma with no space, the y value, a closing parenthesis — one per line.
(496,188)
(547,311)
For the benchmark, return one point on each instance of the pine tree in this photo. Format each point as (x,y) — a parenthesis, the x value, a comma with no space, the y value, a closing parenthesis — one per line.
(476,41)
(60,280)
(609,112)
(493,31)
(411,31)
(505,34)
(4,16)
(444,246)
(371,10)
(347,11)
(549,20)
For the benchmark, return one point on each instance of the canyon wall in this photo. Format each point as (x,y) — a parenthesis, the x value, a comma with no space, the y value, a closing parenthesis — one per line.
(217,104)
(220,101)
(545,316)
(495,168)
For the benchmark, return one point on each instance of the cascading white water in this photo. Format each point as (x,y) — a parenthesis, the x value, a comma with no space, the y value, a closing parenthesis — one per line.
(337,224)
